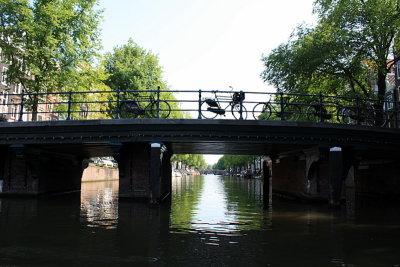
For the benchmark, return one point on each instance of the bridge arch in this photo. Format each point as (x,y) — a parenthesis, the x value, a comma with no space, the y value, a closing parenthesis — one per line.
(313,180)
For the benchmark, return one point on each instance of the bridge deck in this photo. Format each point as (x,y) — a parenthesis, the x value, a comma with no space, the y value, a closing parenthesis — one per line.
(96,137)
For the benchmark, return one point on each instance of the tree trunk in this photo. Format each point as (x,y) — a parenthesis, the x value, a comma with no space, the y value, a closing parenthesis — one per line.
(34,104)
(379,105)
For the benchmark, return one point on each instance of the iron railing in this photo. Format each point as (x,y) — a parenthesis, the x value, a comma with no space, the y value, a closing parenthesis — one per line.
(199,104)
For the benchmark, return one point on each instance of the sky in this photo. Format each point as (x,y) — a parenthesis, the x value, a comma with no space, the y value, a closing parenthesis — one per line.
(205,44)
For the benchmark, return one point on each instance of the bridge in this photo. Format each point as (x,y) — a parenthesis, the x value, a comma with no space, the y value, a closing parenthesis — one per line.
(304,157)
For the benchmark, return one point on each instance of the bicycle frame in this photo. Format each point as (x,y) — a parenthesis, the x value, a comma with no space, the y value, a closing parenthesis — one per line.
(211,107)
(215,103)
(148,105)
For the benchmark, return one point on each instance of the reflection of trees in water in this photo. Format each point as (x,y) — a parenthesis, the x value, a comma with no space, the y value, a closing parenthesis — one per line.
(244,198)
(99,204)
(186,192)
(217,204)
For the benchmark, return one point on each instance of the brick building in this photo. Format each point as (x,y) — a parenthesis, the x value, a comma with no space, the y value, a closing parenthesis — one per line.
(10,99)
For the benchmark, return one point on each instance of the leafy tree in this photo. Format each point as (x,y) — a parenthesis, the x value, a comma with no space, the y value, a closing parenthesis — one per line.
(92,102)
(132,68)
(45,41)
(193,160)
(348,48)
(231,161)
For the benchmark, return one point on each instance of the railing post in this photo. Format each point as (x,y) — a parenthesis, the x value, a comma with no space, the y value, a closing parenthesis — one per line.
(69,105)
(241,105)
(282,115)
(21,106)
(321,104)
(358,111)
(199,116)
(118,110)
(158,102)
(396,106)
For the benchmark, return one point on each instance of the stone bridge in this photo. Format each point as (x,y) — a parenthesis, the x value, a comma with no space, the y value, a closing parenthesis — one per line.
(305,159)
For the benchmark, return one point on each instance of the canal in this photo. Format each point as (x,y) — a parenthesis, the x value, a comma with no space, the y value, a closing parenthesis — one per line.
(211,221)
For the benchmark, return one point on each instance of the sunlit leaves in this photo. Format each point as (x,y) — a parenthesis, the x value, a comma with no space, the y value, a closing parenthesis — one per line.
(347,49)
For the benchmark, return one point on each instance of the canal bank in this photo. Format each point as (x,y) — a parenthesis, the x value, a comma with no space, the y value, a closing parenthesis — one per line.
(97,174)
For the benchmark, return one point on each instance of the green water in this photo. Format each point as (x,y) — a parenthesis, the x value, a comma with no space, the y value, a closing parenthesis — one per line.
(210,221)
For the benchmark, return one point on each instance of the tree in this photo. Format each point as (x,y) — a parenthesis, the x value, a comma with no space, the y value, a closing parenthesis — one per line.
(349,47)
(45,41)
(92,100)
(132,68)
(231,161)
(191,160)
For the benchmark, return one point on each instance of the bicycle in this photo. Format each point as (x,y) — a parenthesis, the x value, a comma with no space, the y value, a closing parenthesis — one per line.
(364,114)
(283,109)
(322,112)
(211,107)
(133,108)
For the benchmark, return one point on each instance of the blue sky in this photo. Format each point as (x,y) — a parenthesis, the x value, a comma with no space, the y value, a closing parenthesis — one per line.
(205,44)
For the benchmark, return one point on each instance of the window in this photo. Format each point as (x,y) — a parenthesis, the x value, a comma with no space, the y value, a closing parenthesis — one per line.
(398,70)
(18,88)
(4,102)
(4,76)
(13,111)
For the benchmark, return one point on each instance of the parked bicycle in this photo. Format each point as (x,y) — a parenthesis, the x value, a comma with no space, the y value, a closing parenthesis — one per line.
(323,112)
(141,106)
(211,107)
(362,113)
(283,108)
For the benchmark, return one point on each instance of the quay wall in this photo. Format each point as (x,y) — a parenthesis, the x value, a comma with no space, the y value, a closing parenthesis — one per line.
(95,173)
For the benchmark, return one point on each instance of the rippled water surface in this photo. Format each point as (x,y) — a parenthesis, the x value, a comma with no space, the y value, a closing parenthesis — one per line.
(210,221)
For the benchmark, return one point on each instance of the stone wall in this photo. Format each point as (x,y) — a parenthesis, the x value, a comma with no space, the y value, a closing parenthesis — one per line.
(94,173)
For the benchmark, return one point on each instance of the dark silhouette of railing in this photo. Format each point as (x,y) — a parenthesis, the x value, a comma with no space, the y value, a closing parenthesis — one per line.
(199,104)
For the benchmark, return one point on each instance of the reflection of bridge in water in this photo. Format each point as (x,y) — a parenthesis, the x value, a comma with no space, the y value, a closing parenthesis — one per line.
(306,159)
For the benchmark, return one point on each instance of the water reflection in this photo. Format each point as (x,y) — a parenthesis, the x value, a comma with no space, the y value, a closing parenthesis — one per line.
(215,204)
(99,204)
(211,221)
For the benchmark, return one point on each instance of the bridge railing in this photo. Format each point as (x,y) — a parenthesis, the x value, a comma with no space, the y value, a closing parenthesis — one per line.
(199,104)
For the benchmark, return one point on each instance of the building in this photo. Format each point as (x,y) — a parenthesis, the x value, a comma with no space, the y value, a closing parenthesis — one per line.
(10,100)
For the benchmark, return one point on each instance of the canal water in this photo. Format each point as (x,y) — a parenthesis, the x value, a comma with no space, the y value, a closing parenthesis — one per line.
(211,221)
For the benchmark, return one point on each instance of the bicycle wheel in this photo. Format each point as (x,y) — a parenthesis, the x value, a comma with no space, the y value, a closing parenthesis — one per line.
(311,114)
(391,119)
(291,112)
(262,111)
(236,111)
(162,109)
(347,116)
(128,109)
(338,113)
(206,112)
(377,118)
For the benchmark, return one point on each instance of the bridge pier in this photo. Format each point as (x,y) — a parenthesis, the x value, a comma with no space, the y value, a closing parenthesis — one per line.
(267,182)
(314,174)
(335,170)
(28,171)
(145,171)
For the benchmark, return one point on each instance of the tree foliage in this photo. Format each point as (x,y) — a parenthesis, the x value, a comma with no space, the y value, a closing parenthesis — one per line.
(347,49)
(92,102)
(231,161)
(45,41)
(192,160)
(132,68)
